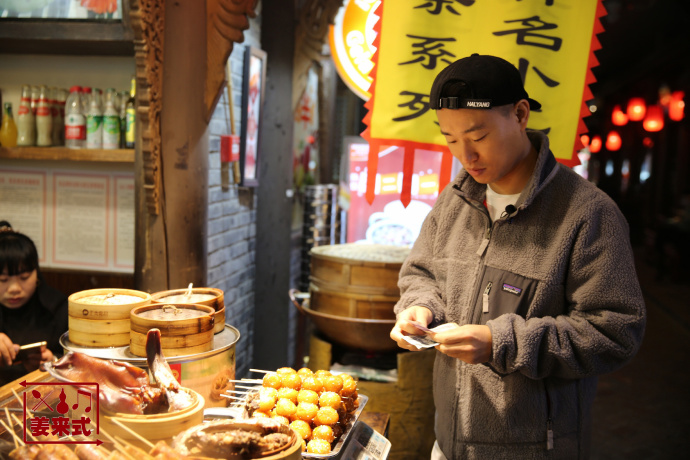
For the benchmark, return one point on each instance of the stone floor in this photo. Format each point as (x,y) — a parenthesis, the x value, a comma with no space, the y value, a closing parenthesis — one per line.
(642,411)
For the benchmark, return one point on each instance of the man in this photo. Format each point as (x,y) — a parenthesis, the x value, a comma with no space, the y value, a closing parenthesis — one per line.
(532,268)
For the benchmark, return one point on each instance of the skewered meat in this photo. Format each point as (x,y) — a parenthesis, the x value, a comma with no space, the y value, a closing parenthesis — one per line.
(27,452)
(90,452)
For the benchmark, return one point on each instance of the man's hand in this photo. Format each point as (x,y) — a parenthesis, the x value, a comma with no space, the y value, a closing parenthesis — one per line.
(470,343)
(8,350)
(403,326)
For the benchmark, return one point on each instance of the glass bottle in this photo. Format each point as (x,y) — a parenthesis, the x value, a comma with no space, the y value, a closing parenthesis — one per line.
(26,121)
(130,133)
(44,119)
(8,129)
(122,109)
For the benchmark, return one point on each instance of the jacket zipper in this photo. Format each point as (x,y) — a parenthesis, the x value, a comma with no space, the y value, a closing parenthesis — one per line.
(549,424)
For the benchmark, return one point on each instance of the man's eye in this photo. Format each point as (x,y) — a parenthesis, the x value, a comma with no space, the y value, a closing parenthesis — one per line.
(481,138)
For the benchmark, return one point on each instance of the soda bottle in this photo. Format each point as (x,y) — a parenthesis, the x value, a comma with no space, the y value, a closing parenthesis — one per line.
(26,121)
(8,130)
(94,123)
(130,133)
(44,120)
(75,122)
(111,125)
(59,116)
(35,93)
(122,108)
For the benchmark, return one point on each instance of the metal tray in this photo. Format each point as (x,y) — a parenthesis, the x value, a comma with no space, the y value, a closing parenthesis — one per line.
(232,412)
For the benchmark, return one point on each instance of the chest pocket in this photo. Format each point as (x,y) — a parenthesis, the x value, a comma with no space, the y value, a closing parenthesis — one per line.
(503,292)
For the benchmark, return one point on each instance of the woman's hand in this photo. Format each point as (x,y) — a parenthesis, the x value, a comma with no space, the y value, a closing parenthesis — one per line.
(403,325)
(35,359)
(8,350)
(470,343)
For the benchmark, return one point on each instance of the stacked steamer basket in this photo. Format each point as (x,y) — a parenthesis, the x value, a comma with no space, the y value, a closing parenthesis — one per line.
(100,317)
(211,297)
(353,290)
(186,329)
(321,224)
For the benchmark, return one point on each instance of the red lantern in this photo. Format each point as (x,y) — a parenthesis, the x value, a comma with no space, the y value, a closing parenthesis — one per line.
(595,145)
(636,109)
(676,106)
(648,142)
(613,141)
(585,140)
(654,121)
(618,117)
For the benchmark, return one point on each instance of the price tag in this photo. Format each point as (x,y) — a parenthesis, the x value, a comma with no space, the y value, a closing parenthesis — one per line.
(366,444)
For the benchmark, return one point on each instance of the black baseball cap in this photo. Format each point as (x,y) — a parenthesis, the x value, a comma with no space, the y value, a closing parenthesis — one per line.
(488,81)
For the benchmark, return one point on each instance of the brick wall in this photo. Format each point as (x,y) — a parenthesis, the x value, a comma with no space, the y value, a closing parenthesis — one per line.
(232,217)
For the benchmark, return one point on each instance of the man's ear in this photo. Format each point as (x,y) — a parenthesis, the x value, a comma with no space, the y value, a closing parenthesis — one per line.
(522,112)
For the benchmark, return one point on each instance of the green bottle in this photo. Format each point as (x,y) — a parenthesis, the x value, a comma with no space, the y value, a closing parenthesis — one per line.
(130,117)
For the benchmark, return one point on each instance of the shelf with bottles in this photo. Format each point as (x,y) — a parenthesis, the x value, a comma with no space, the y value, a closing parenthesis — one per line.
(67,154)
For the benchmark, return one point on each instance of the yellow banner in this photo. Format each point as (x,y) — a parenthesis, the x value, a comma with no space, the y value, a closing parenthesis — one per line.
(551,42)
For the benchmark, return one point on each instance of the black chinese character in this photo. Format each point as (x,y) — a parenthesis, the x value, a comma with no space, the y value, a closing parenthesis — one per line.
(439,4)
(533,24)
(548,2)
(429,50)
(523,66)
(418,104)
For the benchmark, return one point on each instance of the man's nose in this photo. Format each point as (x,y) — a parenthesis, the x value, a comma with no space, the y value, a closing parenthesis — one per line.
(468,153)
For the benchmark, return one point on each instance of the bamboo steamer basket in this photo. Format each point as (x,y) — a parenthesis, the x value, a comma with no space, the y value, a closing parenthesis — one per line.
(356,280)
(179,337)
(154,427)
(100,324)
(217,302)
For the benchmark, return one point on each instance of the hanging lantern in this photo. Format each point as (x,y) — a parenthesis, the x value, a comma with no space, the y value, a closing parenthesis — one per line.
(648,142)
(636,109)
(613,141)
(618,117)
(676,106)
(595,144)
(585,140)
(654,121)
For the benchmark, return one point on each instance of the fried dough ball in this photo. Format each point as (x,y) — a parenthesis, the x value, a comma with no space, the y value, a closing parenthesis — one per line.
(284,420)
(330,399)
(324,432)
(272,381)
(266,402)
(302,428)
(308,396)
(306,411)
(333,383)
(349,388)
(313,384)
(293,381)
(326,416)
(305,372)
(260,414)
(321,373)
(285,407)
(288,393)
(318,446)
(268,391)
(286,370)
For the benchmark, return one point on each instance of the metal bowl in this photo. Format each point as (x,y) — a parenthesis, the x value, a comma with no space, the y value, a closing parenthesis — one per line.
(360,333)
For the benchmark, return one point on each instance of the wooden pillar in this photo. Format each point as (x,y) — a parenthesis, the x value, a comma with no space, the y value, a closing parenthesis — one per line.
(274,208)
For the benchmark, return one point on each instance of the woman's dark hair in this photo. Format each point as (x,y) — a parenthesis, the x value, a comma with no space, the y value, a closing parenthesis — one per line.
(17,252)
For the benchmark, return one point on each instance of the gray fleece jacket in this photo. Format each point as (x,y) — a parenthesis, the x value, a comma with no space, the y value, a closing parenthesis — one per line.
(564,305)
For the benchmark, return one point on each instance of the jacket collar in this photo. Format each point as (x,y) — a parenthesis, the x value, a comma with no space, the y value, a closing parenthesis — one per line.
(465,186)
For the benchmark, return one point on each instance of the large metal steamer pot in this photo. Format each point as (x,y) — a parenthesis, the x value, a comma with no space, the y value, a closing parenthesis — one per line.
(207,373)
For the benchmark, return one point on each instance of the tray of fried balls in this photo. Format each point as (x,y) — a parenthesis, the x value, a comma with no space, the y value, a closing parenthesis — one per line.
(319,406)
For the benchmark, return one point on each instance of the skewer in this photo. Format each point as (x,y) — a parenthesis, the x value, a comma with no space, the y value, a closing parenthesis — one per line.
(246,388)
(240,392)
(136,450)
(17,440)
(19,422)
(233,397)
(132,432)
(21,402)
(117,445)
(259,381)
(261,371)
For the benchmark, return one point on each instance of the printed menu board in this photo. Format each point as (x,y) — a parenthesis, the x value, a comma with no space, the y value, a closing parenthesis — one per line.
(77,219)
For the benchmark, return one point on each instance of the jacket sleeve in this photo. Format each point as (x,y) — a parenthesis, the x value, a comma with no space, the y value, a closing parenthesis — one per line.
(603,322)
(417,280)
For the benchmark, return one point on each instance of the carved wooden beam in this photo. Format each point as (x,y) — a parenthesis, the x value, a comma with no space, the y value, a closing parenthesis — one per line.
(148,22)
(225,22)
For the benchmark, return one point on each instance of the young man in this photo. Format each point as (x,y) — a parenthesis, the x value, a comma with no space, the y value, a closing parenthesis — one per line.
(531,265)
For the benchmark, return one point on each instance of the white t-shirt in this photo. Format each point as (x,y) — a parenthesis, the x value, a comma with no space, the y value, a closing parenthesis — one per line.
(496,203)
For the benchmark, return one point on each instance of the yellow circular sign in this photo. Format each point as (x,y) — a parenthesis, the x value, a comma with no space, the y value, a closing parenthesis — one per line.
(351,39)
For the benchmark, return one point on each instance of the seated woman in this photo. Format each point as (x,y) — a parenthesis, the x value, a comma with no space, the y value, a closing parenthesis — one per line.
(30,311)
